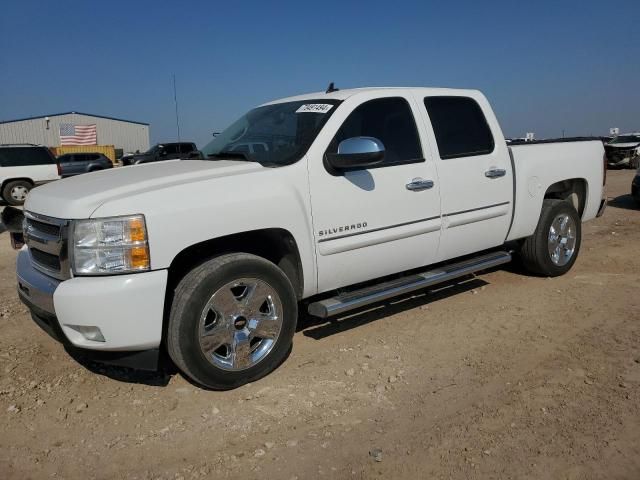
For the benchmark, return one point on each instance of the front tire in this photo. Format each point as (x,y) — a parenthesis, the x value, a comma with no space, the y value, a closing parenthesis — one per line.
(232,321)
(553,248)
(15,193)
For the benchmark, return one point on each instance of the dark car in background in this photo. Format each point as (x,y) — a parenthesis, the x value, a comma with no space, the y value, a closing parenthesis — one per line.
(163,151)
(635,188)
(77,163)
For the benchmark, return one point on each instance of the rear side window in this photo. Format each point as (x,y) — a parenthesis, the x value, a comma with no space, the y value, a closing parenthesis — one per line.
(187,147)
(25,157)
(391,121)
(460,127)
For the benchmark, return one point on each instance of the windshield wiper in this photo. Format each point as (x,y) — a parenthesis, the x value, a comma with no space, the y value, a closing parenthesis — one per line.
(231,155)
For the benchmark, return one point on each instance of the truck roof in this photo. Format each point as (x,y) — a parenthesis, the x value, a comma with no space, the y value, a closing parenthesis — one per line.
(346,93)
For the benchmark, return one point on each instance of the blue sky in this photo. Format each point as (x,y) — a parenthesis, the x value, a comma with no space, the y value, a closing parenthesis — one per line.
(545,66)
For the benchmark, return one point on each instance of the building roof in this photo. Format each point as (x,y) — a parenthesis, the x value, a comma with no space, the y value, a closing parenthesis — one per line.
(69,113)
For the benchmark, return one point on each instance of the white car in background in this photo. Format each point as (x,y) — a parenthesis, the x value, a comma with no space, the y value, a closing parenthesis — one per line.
(624,151)
(23,167)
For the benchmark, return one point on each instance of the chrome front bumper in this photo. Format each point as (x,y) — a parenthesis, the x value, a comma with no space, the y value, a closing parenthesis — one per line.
(34,287)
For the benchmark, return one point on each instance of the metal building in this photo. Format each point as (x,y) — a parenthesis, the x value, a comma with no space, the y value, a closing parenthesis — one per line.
(126,135)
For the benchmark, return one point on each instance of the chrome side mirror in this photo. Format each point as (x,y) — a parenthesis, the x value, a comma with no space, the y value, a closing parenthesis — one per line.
(357,152)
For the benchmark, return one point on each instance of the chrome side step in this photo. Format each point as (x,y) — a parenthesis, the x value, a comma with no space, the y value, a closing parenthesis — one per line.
(383,291)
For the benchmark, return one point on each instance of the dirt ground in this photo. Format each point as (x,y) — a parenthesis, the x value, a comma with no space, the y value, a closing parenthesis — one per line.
(501,376)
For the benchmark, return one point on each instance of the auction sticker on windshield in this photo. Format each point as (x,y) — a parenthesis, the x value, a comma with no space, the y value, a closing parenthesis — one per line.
(315,108)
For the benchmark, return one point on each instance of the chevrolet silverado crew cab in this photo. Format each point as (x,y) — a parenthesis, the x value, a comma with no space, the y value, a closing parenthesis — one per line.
(358,196)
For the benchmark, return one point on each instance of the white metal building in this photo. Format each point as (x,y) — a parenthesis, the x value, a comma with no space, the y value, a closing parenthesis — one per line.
(45,130)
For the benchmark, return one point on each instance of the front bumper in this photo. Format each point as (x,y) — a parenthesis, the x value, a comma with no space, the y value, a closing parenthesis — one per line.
(128,309)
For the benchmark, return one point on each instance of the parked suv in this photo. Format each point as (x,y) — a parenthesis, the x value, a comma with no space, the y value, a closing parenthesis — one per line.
(22,167)
(163,151)
(77,163)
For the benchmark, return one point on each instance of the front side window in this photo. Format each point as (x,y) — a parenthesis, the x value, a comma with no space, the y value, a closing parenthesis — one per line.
(25,156)
(285,131)
(391,121)
(460,127)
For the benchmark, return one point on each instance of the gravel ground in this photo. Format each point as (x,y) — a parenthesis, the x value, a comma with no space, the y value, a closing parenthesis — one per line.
(501,376)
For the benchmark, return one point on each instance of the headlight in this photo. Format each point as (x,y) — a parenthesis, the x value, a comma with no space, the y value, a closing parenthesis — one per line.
(112,245)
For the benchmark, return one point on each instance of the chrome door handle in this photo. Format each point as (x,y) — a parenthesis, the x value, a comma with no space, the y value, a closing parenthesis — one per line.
(418,184)
(495,173)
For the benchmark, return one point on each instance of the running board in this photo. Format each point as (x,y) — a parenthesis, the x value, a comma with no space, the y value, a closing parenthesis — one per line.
(330,307)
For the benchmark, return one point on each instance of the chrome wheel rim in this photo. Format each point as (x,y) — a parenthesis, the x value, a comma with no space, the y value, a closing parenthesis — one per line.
(19,193)
(562,239)
(240,324)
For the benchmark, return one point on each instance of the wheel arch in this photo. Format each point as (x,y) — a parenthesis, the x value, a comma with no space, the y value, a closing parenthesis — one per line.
(574,190)
(274,244)
(16,179)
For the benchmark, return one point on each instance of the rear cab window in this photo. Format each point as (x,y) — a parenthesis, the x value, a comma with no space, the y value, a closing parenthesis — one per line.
(391,121)
(460,127)
(25,156)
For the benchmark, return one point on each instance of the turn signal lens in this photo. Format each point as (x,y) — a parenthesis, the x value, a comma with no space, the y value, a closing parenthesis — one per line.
(139,258)
(137,232)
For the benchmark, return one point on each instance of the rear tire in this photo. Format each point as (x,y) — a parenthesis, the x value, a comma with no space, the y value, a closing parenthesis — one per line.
(553,248)
(15,193)
(232,321)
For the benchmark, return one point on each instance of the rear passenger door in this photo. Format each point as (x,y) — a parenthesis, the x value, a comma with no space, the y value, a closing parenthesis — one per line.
(374,221)
(173,151)
(474,167)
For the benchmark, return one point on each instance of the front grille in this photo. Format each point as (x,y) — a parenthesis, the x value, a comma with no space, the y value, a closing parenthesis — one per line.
(53,230)
(43,258)
(619,153)
(47,239)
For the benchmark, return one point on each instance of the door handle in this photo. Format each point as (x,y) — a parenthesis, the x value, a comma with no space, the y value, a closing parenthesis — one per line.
(418,184)
(495,173)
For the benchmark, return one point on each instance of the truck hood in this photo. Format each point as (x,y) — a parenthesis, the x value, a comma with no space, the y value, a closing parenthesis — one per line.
(80,196)
(622,146)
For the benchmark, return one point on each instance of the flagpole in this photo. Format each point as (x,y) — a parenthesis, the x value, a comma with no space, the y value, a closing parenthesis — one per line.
(175,99)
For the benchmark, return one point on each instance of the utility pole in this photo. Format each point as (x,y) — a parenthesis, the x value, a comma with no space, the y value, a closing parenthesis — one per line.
(175,99)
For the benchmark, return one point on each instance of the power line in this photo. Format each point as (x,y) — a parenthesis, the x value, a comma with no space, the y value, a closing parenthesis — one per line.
(175,99)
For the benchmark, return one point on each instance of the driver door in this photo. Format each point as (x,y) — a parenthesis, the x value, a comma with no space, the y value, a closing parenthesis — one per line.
(370,222)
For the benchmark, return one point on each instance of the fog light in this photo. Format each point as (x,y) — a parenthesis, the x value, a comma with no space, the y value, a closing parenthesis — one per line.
(90,333)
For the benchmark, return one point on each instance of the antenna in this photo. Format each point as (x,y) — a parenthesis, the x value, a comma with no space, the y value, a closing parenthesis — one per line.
(331,88)
(175,99)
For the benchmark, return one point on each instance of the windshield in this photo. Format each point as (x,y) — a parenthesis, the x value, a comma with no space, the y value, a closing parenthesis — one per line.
(278,134)
(151,150)
(626,139)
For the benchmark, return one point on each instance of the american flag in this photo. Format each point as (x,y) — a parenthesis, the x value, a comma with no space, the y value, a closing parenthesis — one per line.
(71,134)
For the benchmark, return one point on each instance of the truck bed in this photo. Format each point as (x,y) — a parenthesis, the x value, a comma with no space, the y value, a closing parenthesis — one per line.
(543,163)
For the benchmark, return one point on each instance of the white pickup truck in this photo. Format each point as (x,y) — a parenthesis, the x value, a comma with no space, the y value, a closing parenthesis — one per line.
(360,195)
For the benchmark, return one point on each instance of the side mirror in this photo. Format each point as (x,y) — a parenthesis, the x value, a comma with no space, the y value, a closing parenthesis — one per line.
(357,152)
(162,152)
(12,219)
